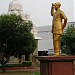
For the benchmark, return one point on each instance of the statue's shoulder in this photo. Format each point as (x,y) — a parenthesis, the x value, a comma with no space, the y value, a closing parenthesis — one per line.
(61,11)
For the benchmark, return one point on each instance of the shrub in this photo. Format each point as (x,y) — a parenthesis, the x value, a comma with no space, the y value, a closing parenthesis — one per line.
(24,64)
(27,63)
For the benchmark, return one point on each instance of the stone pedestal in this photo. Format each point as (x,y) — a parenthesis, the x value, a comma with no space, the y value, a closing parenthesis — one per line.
(60,65)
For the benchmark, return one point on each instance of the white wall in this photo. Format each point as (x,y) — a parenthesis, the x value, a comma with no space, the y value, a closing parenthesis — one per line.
(46,42)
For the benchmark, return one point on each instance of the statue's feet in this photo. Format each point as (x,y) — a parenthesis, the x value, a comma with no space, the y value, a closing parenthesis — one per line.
(56,54)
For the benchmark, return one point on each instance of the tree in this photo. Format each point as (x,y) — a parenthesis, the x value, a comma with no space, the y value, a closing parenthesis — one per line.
(68,41)
(16,38)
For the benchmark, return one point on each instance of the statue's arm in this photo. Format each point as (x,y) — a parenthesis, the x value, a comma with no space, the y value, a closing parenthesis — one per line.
(65,22)
(52,9)
(65,19)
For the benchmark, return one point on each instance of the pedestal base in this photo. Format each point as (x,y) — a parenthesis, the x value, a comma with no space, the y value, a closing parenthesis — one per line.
(61,65)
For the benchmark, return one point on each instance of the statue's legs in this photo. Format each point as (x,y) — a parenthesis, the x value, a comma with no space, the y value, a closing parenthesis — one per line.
(56,42)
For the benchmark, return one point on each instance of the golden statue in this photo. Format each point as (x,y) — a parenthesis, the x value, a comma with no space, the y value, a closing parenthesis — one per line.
(58,24)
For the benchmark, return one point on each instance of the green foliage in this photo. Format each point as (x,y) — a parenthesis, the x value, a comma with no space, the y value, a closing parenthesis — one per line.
(27,63)
(68,41)
(22,73)
(24,64)
(15,36)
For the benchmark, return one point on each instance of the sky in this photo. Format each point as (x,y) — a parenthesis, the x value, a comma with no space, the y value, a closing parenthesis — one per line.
(39,10)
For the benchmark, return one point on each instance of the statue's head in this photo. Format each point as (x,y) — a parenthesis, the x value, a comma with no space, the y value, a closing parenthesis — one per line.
(57,5)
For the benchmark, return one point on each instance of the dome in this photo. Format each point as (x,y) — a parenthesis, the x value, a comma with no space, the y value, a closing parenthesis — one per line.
(15,5)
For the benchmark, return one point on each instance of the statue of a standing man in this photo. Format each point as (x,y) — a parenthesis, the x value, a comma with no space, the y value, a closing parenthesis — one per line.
(58,24)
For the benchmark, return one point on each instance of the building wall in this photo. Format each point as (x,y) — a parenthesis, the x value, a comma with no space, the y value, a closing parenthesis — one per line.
(46,42)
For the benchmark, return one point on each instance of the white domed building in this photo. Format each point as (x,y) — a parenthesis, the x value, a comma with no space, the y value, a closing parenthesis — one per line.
(15,7)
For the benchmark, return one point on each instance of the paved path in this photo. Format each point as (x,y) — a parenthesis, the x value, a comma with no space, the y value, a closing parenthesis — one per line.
(30,68)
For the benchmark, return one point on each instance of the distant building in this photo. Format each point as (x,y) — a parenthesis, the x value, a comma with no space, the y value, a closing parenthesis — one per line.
(15,7)
(46,42)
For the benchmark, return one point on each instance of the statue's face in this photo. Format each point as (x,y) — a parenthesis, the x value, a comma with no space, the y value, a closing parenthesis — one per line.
(56,6)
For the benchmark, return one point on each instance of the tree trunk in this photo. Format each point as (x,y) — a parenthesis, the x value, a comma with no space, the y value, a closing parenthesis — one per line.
(3,64)
(26,57)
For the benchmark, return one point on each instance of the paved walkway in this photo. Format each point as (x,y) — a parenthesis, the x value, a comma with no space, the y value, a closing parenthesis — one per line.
(30,68)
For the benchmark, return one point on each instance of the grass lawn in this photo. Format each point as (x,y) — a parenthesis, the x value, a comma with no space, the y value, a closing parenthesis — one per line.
(21,73)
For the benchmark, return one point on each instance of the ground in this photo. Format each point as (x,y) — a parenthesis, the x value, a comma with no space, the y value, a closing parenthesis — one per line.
(22,71)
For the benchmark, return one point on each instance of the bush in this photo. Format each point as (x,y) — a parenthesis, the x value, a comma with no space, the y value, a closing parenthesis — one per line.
(14,65)
(68,41)
(24,64)
(27,63)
